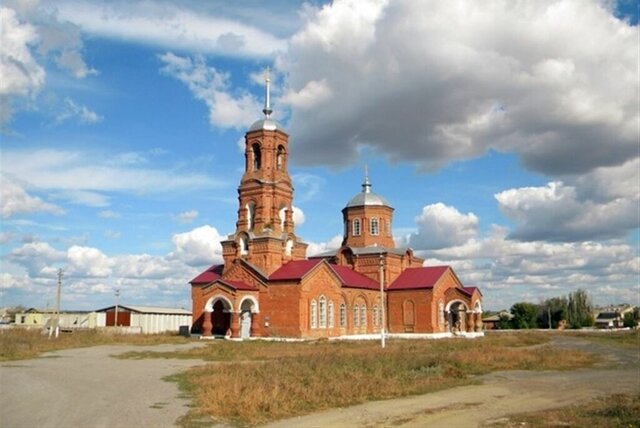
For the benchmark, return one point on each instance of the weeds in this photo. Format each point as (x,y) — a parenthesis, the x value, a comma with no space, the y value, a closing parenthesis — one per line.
(279,380)
(20,344)
(618,410)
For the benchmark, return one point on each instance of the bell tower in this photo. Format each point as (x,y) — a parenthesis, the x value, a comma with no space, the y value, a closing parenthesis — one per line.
(264,233)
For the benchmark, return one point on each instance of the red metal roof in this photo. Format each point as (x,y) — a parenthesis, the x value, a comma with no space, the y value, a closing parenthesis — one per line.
(211,274)
(470,290)
(416,278)
(353,279)
(295,269)
(239,285)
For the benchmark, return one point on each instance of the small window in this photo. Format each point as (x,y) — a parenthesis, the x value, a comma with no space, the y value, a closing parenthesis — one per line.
(257,156)
(375,315)
(356,316)
(388,227)
(330,316)
(356,227)
(280,158)
(314,314)
(363,316)
(244,244)
(343,315)
(323,312)
(374,226)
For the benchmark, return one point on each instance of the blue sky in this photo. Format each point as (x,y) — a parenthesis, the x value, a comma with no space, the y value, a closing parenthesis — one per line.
(505,139)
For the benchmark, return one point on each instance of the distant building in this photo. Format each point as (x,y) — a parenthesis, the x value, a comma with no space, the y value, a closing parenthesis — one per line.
(612,316)
(42,318)
(268,287)
(146,319)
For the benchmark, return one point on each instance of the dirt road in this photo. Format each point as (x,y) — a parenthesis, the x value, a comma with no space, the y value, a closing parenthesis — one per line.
(87,388)
(498,395)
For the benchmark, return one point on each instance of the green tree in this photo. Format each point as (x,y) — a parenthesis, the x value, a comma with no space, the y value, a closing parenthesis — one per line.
(525,315)
(629,320)
(552,311)
(579,309)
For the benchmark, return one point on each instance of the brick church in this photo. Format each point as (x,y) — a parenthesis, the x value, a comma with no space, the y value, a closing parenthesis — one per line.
(268,287)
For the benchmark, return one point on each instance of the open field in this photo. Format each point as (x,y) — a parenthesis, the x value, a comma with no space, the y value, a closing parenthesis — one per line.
(280,380)
(410,383)
(20,344)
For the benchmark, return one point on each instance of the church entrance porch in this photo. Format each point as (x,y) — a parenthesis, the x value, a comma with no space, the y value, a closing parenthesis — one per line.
(217,317)
(456,314)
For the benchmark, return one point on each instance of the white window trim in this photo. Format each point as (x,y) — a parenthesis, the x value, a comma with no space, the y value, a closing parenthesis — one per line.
(374,223)
(356,231)
(330,315)
(314,314)
(322,312)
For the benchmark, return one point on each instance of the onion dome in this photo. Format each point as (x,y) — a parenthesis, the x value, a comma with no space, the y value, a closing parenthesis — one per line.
(367,197)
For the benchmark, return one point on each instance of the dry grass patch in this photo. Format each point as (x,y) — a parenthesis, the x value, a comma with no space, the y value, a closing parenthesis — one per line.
(279,380)
(625,339)
(20,344)
(618,410)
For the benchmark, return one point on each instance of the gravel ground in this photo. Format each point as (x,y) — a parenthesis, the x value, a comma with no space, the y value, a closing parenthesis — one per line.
(85,387)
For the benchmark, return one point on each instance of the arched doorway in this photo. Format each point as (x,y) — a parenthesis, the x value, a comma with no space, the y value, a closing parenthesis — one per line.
(248,312)
(220,317)
(456,316)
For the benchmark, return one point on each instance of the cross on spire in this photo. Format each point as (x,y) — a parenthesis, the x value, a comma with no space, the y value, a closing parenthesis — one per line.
(267,107)
(366,186)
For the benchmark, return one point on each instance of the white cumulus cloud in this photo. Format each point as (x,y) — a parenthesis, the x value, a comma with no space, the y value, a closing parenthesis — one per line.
(441,226)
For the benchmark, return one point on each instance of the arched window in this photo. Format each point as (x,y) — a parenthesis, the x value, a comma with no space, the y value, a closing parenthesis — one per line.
(388,227)
(323,312)
(257,156)
(408,312)
(280,158)
(283,216)
(243,243)
(374,226)
(356,227)
(375,316)
(314,314)
(363,315)
(343,315)
(251,215)
(288,247)
(330,314)
(356,316)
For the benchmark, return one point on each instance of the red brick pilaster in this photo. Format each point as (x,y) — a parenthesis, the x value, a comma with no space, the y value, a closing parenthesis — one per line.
(235,325)
(206,324)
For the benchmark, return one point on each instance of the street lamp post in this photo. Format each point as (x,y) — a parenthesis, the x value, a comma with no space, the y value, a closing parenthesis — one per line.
(115,321)
(382,305)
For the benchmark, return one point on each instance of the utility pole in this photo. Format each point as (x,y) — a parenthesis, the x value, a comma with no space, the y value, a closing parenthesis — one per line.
(115,321)
(382,314)
(56,315)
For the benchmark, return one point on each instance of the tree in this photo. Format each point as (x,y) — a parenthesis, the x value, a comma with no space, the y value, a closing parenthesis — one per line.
(629,320)
(579,309)
(525,315)
(552,311)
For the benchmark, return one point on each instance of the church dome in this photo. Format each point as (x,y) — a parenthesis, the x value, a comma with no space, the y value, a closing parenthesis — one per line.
(367,197)
(267,124)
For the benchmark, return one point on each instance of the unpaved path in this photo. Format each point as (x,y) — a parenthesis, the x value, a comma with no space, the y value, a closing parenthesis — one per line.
(499,395)
(85,387)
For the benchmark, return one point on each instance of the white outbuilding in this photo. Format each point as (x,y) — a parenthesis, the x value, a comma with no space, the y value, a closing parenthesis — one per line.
(147,319)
